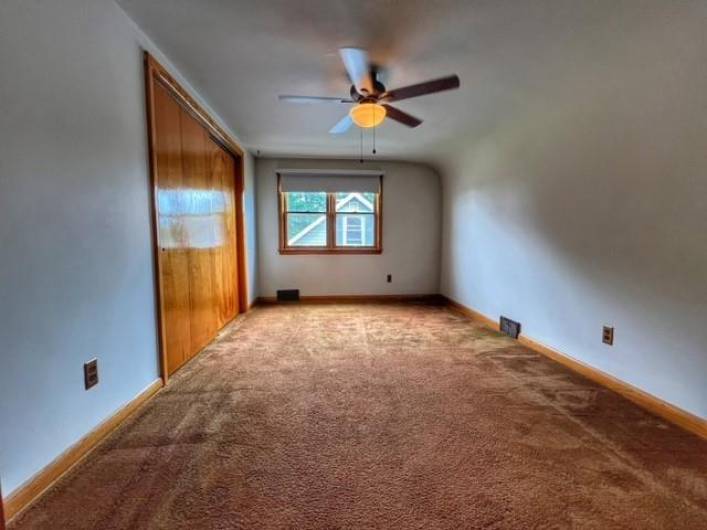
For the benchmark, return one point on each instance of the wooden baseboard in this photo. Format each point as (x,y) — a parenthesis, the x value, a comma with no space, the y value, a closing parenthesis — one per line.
(358,299)
(2,513)
(657,406)
(472,314)
(30,491)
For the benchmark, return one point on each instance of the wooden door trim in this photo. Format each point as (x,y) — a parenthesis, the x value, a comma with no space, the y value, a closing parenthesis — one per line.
(2,513)
(156,73)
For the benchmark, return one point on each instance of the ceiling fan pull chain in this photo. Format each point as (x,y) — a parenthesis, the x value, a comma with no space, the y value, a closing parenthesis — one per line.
(374,129)
(361,138)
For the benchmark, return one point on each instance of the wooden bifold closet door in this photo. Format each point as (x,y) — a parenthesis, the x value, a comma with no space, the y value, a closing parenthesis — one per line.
(195,190)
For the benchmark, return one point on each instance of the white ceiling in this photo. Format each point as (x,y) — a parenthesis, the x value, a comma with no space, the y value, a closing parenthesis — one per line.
(241,54)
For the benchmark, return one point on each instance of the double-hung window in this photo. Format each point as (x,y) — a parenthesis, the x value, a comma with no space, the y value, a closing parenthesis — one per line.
(332,212)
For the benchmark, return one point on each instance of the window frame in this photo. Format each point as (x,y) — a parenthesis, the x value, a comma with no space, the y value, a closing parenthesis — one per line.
(331,246)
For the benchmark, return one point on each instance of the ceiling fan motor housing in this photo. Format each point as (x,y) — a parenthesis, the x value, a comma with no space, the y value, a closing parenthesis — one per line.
(378,89)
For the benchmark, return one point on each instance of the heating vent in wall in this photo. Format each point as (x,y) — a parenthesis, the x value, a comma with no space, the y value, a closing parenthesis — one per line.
(510,327)
(288,295)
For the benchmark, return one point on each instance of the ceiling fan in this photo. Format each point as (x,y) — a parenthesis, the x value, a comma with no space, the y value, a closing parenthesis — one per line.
(370,97)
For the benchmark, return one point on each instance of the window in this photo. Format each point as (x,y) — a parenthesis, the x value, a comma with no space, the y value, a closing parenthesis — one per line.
(336,222)
(306,219)
(355,219)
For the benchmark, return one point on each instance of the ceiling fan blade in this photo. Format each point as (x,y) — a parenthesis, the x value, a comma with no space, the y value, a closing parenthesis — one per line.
(428,87)
(342,126)
(401,117)
(359,70)
(312,99)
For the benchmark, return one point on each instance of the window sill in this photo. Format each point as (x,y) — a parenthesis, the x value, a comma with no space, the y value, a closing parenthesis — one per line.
(334,251)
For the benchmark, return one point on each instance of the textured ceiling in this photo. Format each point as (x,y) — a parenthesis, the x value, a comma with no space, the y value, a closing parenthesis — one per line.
(241,54)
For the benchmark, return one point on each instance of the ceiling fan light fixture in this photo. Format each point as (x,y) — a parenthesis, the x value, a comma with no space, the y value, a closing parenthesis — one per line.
(367,115)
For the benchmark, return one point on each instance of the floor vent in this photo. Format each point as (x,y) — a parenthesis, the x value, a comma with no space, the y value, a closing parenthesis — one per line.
(288,295)
(510,327)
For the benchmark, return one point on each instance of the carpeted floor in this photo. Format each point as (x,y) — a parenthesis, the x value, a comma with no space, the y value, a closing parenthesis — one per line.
(381,416)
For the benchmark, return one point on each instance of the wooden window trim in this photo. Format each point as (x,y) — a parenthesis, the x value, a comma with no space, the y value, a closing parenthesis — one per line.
(331,248)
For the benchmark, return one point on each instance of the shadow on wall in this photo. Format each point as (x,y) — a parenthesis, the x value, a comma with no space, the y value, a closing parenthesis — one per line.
(585,210)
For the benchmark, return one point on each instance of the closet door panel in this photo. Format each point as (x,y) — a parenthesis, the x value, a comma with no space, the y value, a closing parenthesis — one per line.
(229,300)
(217,263)
(202,233)
(171,191)
(225,273)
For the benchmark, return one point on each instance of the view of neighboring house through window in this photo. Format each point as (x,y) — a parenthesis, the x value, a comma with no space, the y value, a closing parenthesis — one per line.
(352,231)
(355,219)
(306,219)
(336,221)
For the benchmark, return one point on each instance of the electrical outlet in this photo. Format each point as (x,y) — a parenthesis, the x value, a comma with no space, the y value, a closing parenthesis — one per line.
(389,279)
(90,373)
(607,335)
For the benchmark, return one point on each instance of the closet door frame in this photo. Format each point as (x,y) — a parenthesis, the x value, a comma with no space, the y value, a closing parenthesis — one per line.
(156,73)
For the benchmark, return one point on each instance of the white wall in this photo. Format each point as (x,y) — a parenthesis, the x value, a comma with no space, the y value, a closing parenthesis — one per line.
(590,208)
(411,228)
(76,278)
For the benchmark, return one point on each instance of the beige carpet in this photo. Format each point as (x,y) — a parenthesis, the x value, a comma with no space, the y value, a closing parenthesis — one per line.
(381,416)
